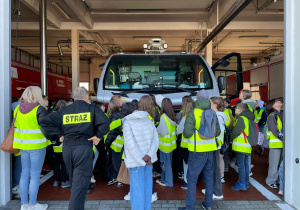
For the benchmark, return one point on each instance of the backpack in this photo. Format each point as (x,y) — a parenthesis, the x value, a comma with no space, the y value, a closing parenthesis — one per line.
(208,124)
(255,137)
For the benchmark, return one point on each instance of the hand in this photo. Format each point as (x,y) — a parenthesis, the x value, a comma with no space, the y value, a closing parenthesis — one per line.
(147,159)
(61,139)
(95,140)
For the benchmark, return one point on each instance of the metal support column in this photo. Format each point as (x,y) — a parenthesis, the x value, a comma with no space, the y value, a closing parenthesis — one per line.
(5,98)
(43,46)
(75,58)
(291,102)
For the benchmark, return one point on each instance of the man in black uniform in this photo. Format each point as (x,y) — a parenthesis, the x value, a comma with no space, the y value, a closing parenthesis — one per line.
(79,126)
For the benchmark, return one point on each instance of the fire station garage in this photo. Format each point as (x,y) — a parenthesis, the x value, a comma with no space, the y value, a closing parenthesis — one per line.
(223,46)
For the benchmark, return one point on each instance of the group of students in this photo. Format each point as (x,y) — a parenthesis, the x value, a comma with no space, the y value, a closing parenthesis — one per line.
(147,137)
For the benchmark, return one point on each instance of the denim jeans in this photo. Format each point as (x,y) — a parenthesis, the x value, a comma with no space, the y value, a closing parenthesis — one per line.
(141,187)
(243,166)
(32,163)
(199,162)
(166,168)
(17,170)
(281,176)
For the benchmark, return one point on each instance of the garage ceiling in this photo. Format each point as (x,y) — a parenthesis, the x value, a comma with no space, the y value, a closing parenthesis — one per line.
(125,25)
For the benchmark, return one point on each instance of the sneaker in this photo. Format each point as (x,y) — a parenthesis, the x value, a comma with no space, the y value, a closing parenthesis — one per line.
(222,180)
(46,168)
(180,175)
(158,181)
(93,180)
(214,196)
(154,197)
(250,174)
(239,186)
(16,190)
(251,166)
(248,185)
(127,197)
(65,184)
(206,208)
(184,186)
(111,182)
(120,184)
(24,207)
(18,196)
(274,186)
(55,183)
(155,174)
(38,206)
(280,192)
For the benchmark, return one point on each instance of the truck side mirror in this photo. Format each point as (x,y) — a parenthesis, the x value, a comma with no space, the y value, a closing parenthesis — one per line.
(221,83)
(96,84)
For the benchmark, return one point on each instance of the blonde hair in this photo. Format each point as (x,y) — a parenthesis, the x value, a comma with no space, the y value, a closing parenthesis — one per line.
(187,105)
(33,94)
(247,94)
(146,104)
(113,107)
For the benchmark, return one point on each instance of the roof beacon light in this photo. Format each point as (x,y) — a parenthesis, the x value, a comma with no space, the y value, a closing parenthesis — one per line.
(156,46)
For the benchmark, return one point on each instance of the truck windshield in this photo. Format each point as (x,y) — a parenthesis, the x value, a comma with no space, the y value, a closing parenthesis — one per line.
(182,71)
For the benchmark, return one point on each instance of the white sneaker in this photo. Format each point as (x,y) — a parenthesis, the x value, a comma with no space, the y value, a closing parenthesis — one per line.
(280,192)
(222,180)
(154,197)
(38,206)
(16,190)
(127,197)
(214,196)
(93,180)
(250,174)
(251,166)
(24,207)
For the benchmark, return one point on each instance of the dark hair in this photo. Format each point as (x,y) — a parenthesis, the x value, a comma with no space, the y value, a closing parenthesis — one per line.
(242,106)
(99,104)
(135,103)
(60,104)
(146,104)
(228,101)
(127,109)
(279,99)
(269,106)
(154,101)
(220,103)
(167,108)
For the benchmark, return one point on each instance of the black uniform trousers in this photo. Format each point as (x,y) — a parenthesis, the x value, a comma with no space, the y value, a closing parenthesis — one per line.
(79,164)
(60,171)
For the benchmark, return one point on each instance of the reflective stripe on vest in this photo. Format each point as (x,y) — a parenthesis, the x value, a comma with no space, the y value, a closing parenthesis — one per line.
(151,118)
(240,143)
(28,134)
(167,143)
(117,144)
(274,142)
(258,115)
(250,108)
(220,139)
(58,149)
(227,123)
(202,145)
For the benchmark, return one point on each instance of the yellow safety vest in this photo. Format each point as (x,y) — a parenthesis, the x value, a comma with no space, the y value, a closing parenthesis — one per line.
(184,141)
(220,139)
(167,143)
(274,142)
(28,134)
(258,114)
(18,154)
(241,143)
(226,111)
(202,145)
(118,143)
(250,108)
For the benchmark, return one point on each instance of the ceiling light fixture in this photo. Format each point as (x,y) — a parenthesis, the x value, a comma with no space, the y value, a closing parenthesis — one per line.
(61,11)
(145,38)
(254,37)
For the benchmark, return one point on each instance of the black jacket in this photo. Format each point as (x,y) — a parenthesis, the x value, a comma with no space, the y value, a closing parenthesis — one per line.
(112,135)
(77,123)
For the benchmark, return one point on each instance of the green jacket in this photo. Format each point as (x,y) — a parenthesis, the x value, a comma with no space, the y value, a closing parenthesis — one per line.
(189,125)
(240,125)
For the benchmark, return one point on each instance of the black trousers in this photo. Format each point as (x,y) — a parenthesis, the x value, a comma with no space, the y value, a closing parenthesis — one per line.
(60,171)
(116,160)
(79,164)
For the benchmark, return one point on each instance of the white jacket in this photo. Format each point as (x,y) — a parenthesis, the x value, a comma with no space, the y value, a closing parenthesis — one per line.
(140,139)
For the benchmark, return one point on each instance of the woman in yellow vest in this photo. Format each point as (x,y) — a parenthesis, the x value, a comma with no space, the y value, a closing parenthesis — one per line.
(114,140)
(275,137)
(241,145)
(167,141)
(32,143)
(60,171)
(187,105)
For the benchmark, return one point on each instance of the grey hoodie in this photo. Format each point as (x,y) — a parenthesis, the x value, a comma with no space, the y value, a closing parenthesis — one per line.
(140,139)
(251,103)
